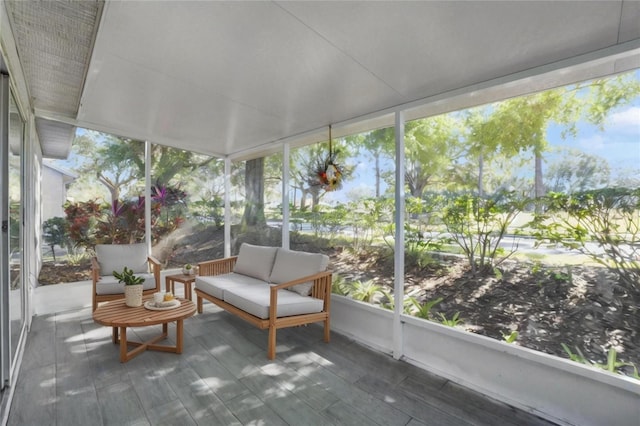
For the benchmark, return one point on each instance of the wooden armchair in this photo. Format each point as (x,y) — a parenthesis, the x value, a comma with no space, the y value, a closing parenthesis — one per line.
(114,257)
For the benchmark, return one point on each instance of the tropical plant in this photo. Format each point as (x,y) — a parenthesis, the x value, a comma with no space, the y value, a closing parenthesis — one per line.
(364,291)
(511,337)
(78,258)
(388,302)
(339,285)
(423,310)
(612,365)
(454,321)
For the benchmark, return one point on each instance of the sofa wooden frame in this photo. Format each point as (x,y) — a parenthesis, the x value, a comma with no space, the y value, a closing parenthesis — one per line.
(321,290)
(154,266)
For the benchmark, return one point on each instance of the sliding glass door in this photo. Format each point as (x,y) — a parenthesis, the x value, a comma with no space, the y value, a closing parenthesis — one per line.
(13,294)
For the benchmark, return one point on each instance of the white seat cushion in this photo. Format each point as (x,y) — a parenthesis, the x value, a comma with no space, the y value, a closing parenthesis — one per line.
(255,261)
(256,299)
(291,265)
(114,257)
(109,284)
(216,285)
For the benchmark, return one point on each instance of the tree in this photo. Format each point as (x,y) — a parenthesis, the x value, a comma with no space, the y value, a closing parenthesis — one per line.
(56,233)
(520,124)
(118,163)
(577,171)
(378,144)
(431,146)
(254,194)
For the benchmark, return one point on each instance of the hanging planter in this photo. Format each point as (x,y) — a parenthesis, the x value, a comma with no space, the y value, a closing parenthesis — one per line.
(328,172)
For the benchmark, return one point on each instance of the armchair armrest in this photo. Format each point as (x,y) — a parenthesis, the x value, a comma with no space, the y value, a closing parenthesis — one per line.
(217,266)
(321,290)
(95,269)
(155,266)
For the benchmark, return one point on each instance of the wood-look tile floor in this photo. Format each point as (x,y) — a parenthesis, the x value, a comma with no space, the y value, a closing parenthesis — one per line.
(71,375)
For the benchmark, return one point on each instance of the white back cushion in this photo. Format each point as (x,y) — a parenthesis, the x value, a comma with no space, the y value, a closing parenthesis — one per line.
(114,257)
(291,265)
(255,261)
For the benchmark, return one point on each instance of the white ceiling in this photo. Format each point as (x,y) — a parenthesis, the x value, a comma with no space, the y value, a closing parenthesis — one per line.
(223,78)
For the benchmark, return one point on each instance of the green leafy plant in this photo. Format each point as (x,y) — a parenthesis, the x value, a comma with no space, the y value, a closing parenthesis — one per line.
(339,285)
(511,337)
(423,310)
(454,321)
(77,258)
(612,365)
(388,302)
(478,225)
(609,217)
(365,291)
(577,357)
(127,277)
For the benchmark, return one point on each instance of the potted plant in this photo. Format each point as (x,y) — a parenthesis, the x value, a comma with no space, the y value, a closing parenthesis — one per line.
(187,269)
(132,287)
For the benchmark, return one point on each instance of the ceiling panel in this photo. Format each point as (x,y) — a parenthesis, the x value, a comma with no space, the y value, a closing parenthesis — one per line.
(229,78)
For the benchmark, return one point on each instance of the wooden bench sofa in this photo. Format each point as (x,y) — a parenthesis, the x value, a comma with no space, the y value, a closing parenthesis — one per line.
(269,287)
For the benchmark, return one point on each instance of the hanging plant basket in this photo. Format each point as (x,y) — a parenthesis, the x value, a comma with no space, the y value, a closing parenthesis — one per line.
(328,172)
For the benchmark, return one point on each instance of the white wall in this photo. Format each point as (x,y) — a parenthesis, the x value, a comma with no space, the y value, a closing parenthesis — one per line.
(53,193)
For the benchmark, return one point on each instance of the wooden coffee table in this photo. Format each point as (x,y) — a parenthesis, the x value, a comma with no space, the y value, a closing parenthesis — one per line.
(120,316)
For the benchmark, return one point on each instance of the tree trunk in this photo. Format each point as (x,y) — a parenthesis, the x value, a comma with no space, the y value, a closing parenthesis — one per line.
(377,156)
(539,185)
(254,194)
(480,175)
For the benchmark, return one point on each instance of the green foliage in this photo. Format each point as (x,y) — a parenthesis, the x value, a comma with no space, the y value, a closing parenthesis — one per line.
(478,225)
(454,321)
(364,291)
(432,145)
(325,221)
(127,277)
(78,258)
(205,211)
(612,365)
(423,310)
(511,337)
(577,357)
(55,232)
(388,302)
(608,217)
(339,285)
(364,217)
(122,222)
(82,219)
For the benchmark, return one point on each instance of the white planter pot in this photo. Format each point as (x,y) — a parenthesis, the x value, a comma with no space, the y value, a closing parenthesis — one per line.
(133,295)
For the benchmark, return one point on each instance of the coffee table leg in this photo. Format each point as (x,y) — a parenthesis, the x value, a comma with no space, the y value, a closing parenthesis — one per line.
(179,337)
(114,335)
(123,344)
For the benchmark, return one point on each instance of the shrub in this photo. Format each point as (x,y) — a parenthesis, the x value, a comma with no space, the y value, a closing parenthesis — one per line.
(603,224)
